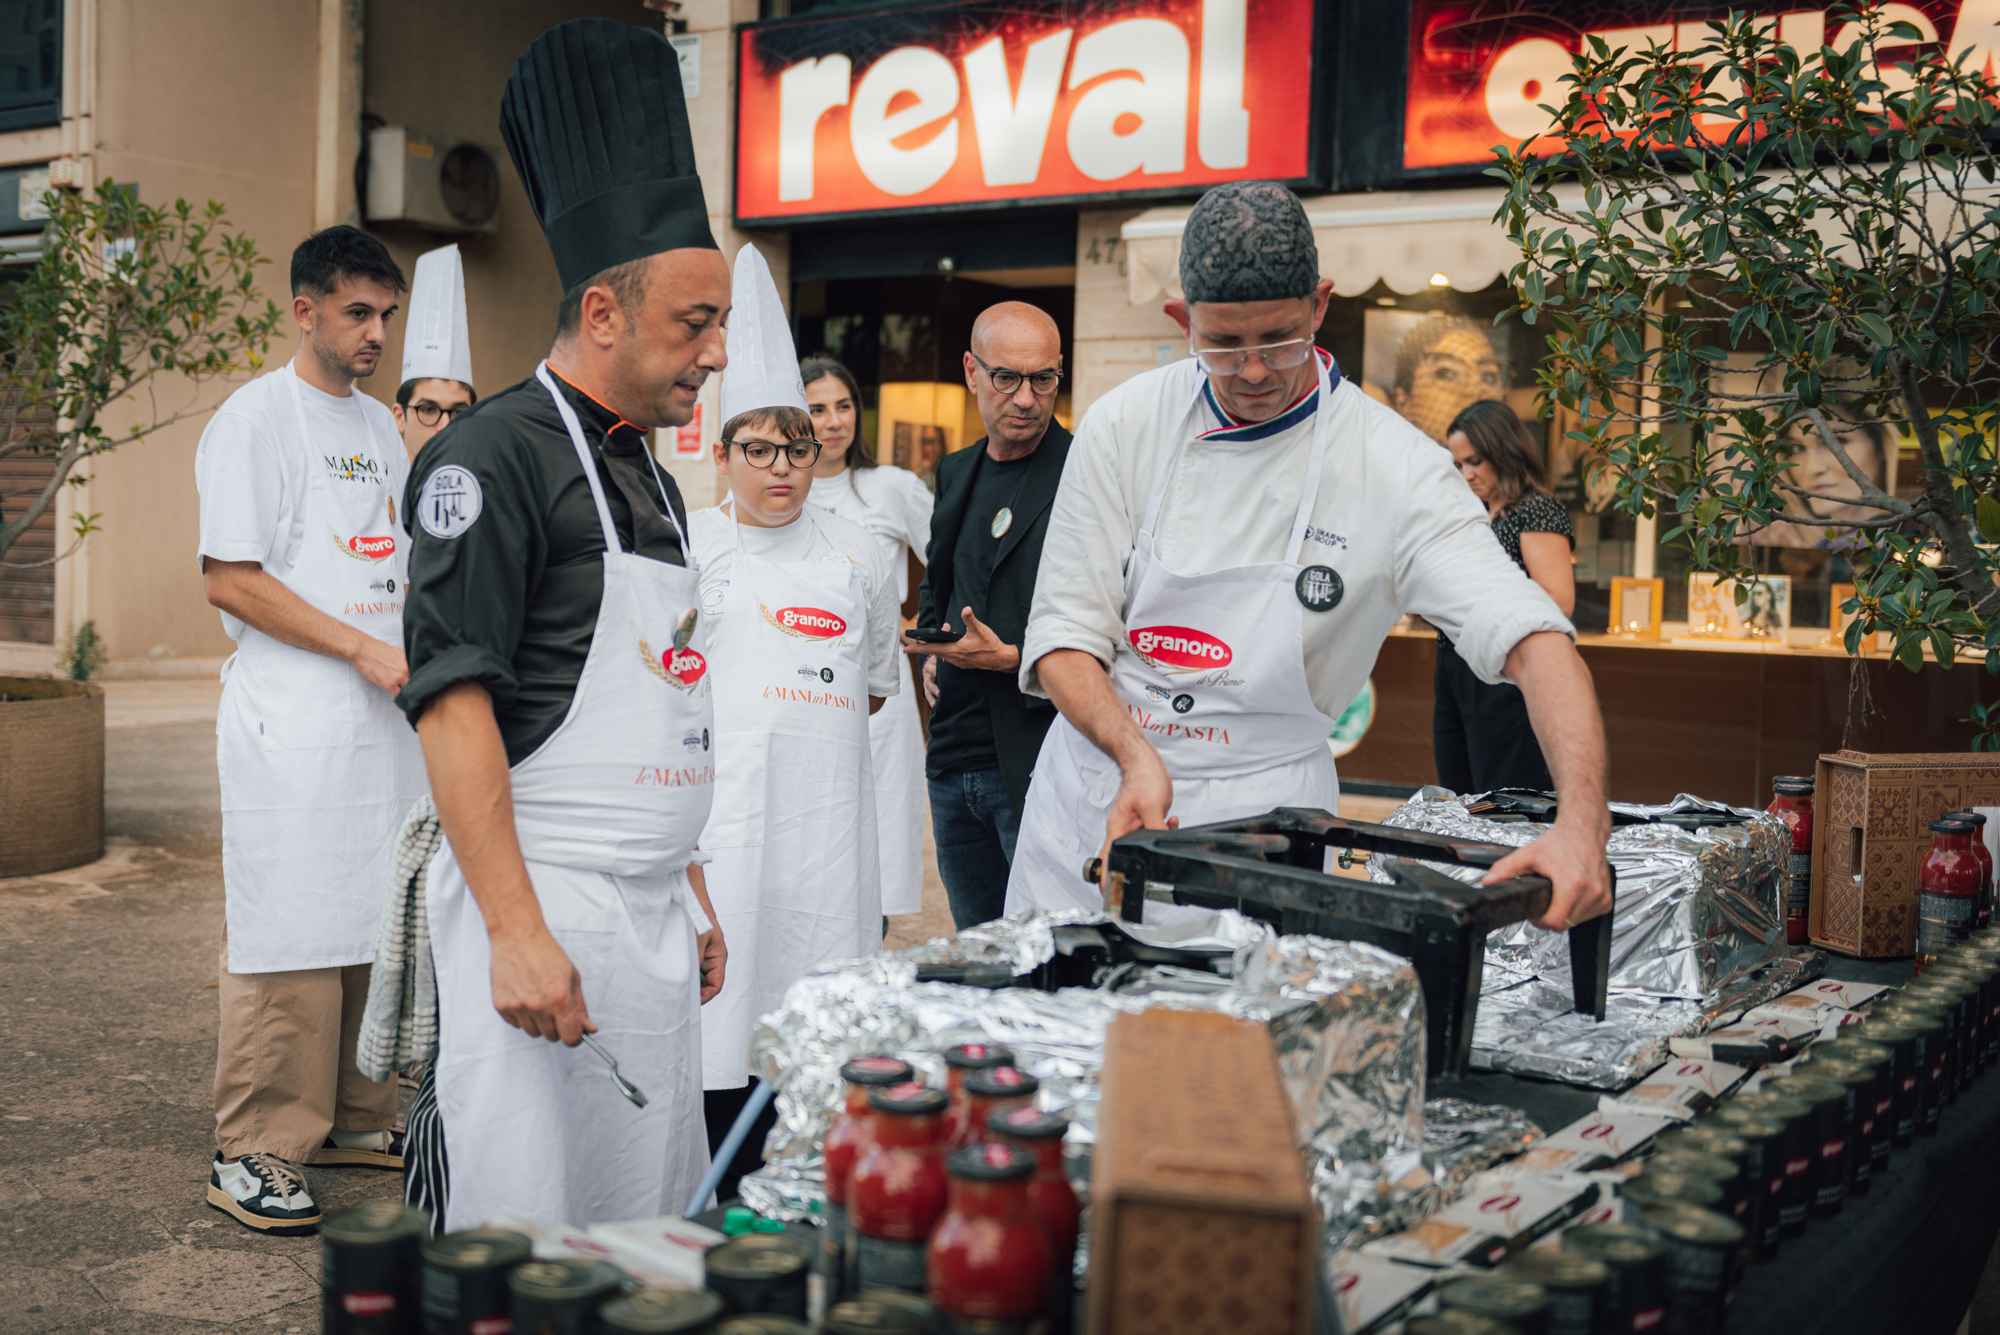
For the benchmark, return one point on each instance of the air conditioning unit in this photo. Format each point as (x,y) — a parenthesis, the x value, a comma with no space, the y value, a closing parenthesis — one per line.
(434,183)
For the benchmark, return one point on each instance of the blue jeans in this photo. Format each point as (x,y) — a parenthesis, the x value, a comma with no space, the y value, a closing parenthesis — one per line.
(974,824)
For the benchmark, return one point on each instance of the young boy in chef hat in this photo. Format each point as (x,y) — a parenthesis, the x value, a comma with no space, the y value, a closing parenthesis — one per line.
(802,631)
(437,351)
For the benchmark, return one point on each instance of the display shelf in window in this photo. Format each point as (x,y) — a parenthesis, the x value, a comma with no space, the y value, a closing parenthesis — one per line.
(1764,614)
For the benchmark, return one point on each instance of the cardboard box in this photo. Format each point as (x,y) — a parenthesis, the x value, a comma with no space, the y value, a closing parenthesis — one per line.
(1200,1217)
(1871,813)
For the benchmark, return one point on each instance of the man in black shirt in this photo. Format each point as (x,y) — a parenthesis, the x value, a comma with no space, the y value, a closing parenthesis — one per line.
(985,548)
(557,676)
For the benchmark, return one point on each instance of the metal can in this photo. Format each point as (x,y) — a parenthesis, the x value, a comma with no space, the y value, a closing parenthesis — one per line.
(1763,1167)
(1725,1170)
(1946,995)
(1862,1081)
(1907,1066)
(660,1312)
(763,1323)
(1457,1323)
(1982,962)
(871,1314)
(1795,1152)
(1715,1138)
(1578,1286)
(1704,1253)
(1960,989)
(759,1273)
(1832,1126)
(1880,1060)
(1522,1305)
(1664,1185)
(560,1297)
(1934,1071)
(371,1269)
(465,1281)
(1638,1292)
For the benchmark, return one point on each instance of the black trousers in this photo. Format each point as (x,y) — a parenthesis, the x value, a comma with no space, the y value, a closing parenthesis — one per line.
(1480,733)
(720,1107)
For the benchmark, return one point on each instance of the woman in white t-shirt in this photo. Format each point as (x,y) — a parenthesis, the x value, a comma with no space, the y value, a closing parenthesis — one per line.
(894,506)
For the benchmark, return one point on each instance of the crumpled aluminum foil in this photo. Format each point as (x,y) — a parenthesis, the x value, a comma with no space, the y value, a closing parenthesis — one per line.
(1346,1019)
(1699,935)
(1696,908)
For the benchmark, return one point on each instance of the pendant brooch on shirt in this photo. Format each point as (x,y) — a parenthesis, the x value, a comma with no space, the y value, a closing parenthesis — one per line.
(1319,588)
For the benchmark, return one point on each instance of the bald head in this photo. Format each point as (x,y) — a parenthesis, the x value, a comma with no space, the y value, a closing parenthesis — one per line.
(1012,343)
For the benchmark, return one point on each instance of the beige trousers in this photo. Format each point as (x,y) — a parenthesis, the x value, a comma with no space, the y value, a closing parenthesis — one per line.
(284,1062)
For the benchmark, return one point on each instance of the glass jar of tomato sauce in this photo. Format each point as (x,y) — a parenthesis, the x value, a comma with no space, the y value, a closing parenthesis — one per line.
(1040,1134)
(842,1150)
(960,1062)
(1947,890)
(1983,915)
(897,1192)
(1792,803)
(989,1092)
(989,1259)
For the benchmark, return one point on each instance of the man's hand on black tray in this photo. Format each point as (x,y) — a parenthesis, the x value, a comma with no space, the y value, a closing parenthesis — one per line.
(1571,856)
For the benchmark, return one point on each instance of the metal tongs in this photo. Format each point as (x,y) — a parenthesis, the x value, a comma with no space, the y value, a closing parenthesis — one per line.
(631,1091)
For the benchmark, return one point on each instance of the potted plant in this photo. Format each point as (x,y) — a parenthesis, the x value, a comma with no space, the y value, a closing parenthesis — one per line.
(128,302)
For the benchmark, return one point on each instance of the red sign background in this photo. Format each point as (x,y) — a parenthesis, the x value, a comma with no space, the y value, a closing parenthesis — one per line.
(1471,59)
(1275,77)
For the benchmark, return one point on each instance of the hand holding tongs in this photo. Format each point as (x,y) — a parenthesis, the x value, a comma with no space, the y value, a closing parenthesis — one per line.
(631,1091)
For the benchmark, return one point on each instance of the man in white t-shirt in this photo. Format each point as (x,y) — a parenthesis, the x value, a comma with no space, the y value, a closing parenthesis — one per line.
(302,553)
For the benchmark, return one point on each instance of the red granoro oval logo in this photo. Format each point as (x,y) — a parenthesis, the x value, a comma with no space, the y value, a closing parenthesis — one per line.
(1179,647)
(370,546)
(1602,1131)
(1347,1282)
(685,666)
(813,622)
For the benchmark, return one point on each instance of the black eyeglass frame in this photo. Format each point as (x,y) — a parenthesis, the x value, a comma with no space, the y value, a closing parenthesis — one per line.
(790,447)
(1033,378)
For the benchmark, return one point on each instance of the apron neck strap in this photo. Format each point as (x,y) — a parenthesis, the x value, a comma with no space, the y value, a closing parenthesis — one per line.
(1308,494)
(575,429)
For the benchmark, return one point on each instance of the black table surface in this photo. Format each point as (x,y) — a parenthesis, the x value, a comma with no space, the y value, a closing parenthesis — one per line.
(1904,1258)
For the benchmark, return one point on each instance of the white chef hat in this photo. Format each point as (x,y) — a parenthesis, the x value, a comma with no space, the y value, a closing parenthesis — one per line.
(763,370)
(436,342)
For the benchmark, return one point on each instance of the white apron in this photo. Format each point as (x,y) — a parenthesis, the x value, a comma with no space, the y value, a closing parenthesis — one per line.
(1213,671)
(608,810)
(793,873)
(896,738)
(316,765)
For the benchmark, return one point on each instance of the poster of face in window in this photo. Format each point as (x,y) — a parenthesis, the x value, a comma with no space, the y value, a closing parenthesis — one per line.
(1831,494)
(1432,365)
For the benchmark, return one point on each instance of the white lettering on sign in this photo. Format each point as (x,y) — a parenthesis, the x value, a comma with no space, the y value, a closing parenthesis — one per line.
(1132,82)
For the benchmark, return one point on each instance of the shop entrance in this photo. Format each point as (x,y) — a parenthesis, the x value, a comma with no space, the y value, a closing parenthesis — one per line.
(896,306)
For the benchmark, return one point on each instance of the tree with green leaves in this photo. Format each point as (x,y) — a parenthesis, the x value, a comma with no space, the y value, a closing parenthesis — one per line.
(1743,252)
(129,302)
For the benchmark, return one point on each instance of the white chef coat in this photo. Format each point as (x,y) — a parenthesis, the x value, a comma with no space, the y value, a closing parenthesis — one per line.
(252,477)
(891,503)
(716,538)
(1392,518)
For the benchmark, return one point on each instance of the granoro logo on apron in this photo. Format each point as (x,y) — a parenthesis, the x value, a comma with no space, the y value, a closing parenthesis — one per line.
(367,546)
(682,668)
(809,623)
(1180,648)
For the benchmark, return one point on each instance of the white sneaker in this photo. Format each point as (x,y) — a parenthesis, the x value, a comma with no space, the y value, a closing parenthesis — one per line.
(263,1192)
(360,1149)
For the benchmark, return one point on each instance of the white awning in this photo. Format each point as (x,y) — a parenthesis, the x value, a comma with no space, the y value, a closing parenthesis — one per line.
(1410,240)
(1403,239)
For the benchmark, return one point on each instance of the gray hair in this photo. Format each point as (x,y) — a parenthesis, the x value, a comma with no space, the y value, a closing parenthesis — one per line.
(1248,241)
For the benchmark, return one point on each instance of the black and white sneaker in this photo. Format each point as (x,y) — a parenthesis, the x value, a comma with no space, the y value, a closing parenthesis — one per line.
(360,1149)
(263,1192)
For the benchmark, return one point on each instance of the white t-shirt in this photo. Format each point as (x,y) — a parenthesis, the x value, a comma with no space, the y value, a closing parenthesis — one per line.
(251,469)
(820,538)
(892,504)
(1392,519)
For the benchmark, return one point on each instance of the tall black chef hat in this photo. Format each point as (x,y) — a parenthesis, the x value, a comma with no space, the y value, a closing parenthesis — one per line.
(597,126)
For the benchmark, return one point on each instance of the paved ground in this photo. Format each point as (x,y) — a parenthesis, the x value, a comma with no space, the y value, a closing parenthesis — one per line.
(107,994)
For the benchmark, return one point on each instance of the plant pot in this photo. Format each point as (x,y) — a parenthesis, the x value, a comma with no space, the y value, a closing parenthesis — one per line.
(51,775)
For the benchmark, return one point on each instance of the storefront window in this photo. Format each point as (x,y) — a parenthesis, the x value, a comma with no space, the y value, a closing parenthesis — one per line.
(1432,354)
(30,63)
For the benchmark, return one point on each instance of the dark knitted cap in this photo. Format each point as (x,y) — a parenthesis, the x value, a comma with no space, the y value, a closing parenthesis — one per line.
(597,126)
(1248,241)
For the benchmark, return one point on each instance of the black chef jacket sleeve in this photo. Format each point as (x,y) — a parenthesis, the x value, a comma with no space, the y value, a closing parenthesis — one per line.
(472,562)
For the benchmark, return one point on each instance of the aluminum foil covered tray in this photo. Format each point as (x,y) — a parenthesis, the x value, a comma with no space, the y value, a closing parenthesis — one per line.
(1346,1019)
(1699,934)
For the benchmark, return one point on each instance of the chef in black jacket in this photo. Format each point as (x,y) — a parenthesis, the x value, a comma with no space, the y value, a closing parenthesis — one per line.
(986,545)
(557,677)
